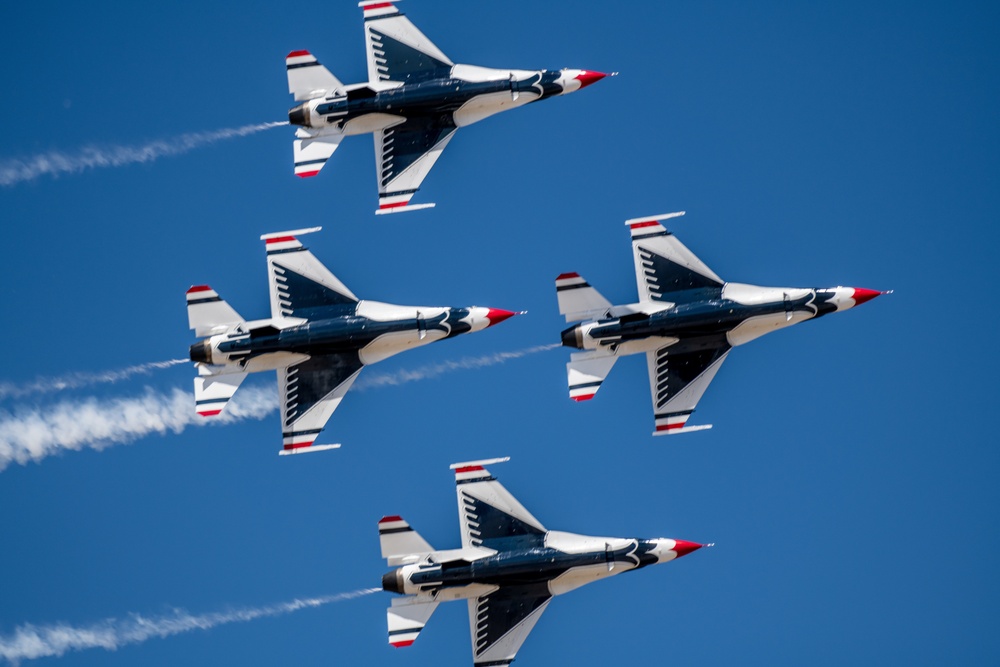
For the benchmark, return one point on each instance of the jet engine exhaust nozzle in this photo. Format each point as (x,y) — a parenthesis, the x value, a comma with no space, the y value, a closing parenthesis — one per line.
(299,115)
(201,352)
(392,582)
(571,337)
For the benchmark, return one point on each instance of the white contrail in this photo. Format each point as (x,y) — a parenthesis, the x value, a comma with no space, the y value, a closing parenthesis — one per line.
(31,434)
(29,642)
(425,372)
(42,385)
(54,163)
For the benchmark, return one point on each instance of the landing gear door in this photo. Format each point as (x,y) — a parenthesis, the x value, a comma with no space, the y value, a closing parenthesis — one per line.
(421,326)
(788,307)
(513,88)
(609,557)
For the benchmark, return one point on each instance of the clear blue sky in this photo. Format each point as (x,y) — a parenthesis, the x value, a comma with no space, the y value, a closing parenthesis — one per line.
(850,479)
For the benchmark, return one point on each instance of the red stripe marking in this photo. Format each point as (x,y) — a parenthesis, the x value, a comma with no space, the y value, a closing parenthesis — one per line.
(299,445)
(199,288)
(405,642)
(400,203)
(280,239)
(468,469)
(296,54)
(584,397)
(379,5)
(209,413)
(564,276)
(637,225)
(387,519)
(307,174)
(668,427)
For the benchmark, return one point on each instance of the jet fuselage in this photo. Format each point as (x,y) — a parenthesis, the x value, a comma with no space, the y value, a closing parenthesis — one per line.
(563,560)
(747,310)
(449,100)
(373,330)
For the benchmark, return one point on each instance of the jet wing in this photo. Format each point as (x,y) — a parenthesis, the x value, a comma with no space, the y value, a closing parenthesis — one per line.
(396,49)
(501,621)
(662,263)
(310,391)
(677,382)
(487,512)
(405,154)
(300,285)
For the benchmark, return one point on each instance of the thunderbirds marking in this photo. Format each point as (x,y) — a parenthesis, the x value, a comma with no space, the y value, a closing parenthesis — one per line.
(509,566)
(686,321)
(318,338)
(413,102)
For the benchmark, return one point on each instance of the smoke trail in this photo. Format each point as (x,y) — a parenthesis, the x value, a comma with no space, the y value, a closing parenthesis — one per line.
(54,163)
(29,642)
(31,434)
(76,380)
(426,372)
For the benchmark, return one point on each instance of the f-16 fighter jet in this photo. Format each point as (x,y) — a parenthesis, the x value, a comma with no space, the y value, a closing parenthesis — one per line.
(686,321)
(318,338)
(414,100)
(509,566)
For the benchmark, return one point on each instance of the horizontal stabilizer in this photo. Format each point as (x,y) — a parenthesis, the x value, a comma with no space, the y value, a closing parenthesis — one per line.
(406,618)
(212,392)
(578,300)
(307,450)
(307,79)
(208,313)
(311,153)
(399,542)
(586,372)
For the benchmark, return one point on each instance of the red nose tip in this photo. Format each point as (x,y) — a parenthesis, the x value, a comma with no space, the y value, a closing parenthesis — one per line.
(586,77)
(496,316)
(683,548)
(861,295)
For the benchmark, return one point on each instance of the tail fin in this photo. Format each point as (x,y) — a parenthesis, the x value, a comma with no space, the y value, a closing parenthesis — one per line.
(307,79)
(400,543)
(212,392)
(208,313)
(585,373)
(406,618)
(578,300)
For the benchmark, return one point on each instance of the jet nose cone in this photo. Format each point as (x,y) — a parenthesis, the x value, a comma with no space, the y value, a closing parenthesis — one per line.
(586,77)
(496,316)
(683,547)
(861,295)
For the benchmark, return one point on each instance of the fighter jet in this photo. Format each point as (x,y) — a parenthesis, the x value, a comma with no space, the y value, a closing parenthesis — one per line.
(509,566)
(686,321)
(414,100)
(318,338)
